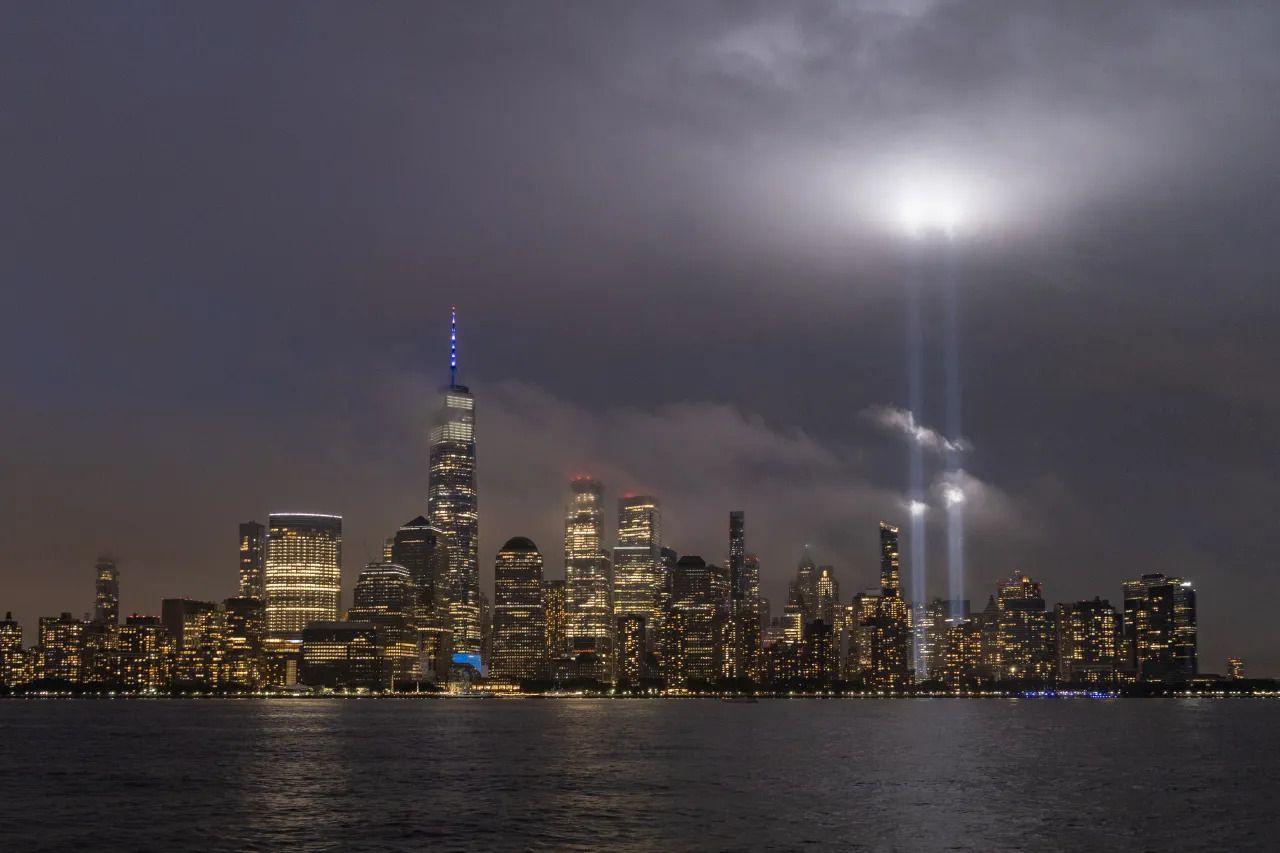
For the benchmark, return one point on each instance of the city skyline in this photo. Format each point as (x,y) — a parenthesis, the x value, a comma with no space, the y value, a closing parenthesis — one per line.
(674,239)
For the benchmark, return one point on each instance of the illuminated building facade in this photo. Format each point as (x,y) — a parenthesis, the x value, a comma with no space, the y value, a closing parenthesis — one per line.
(1024,631)
(1088,641)
(143,654)
(381,588)
(828,589)
(13,660)
(61,650)
(424,550)
(106,609)
(519,624)
(961,666)
(1235,669)
(303,571)
(802,592)
(253,560)
(452,504)
(343,654)
(177,613)
(554,604)
(742,634)
(242,660)
(698,614)
(887,634)
(632,647)
(588,585)
(1160,628)
(637,558)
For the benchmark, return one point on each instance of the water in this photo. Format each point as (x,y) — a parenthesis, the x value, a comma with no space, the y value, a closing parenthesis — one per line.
(640,775)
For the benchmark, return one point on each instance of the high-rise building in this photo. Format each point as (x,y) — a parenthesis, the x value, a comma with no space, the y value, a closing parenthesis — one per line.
(554,612)
(13,660)
(887,633)
(828,589)
(1088,641)
(519,623)
(424,550)
(253,560)
(588,585)
(743,640)
(1160,628)
(381,588)
(632,645)
(143,654)
(1025,630)
(802,592)
(637,558)
(1235,669)
(177,613)
(890,557)
(61,647)
(107,605)
(695,634)
(303,571)
(452,504)
(245,627)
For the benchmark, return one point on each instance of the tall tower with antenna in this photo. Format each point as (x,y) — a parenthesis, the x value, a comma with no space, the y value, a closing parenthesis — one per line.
(451,500)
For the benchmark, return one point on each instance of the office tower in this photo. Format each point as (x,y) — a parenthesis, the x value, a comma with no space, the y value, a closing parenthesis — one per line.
(1024,630)
(828,590)
(253,555)
(424,550)
(177,613)
(245,627)
(890,578)
(61,648)
(887,633)
(304,571)
(632,648)
(13,661)
(519,624)
(344,655)
(743,635)
(107,605)
(1235,669)
(961,665)
(381,588)
(588,586)
(803,591)
(143,654)
(696,631)
(452,501)
(556,617)
(637,558)
(1088,642)
(386,597)
(1160,628)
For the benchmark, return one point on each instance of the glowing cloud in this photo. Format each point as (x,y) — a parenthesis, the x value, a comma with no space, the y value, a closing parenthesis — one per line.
(904,423)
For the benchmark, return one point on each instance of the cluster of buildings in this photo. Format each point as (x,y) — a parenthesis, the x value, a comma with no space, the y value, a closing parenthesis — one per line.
(634,618)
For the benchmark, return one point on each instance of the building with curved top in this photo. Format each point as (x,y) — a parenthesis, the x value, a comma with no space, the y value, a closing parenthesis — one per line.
(519,622)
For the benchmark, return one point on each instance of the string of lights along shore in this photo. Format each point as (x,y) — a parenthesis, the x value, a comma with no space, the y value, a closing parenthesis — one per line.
(639,618)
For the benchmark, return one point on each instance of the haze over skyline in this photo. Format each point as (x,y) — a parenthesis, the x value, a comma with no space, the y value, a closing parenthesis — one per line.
(236,232)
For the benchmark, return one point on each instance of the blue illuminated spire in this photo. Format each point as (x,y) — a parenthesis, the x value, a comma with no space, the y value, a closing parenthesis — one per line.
(453,346)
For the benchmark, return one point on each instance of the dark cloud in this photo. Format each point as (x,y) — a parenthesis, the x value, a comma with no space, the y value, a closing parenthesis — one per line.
(232,232)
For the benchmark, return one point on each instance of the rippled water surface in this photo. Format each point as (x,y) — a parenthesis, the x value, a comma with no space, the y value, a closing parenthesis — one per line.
(639,775)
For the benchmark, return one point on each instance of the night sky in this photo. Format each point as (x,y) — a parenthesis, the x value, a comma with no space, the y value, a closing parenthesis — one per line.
(231,234)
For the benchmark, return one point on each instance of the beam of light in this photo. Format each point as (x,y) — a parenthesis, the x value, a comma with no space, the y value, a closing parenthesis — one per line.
(955,502)
(917,508)
(903,421)
(915,453)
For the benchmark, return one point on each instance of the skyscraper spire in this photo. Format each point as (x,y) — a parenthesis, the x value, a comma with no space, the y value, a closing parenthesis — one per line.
(453,346)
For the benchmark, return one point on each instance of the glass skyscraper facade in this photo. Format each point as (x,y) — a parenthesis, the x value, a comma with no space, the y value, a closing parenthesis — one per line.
(452,505)
(588,585)
(637,558)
